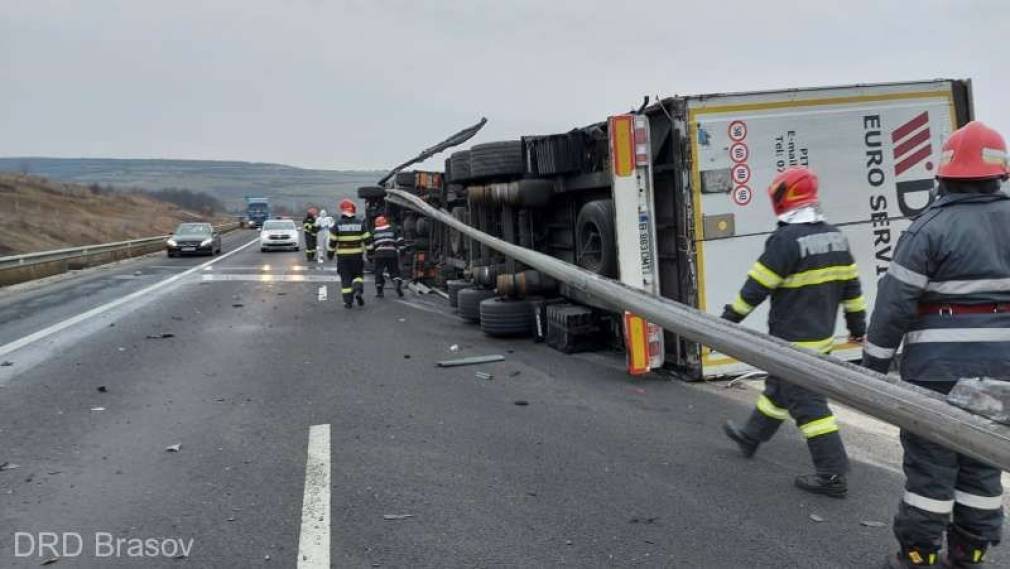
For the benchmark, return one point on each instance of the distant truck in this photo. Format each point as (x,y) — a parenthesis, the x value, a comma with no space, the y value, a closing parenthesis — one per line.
(257,211)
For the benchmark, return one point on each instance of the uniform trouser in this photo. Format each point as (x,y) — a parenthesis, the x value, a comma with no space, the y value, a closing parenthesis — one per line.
(311,242)
(384,263)
(781,400)
(351,269)
(940,483)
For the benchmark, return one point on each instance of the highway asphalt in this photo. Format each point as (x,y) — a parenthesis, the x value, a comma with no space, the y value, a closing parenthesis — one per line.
(407,465)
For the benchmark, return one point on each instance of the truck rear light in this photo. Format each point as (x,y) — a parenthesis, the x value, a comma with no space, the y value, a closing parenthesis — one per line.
(622,145)
(641,141)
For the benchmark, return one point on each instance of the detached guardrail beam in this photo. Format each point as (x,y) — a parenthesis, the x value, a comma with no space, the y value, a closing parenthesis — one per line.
(920,411)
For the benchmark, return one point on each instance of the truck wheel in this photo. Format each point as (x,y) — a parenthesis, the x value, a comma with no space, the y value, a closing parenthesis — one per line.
(406,179)
(371,192)
(596,242)
(468,302)
(501,317)
(497,160)
(453,287)
(409,227)
(459,166)
(457,242)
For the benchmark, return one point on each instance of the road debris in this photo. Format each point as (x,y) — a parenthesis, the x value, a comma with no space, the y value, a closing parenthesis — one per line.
(102,389)
(514,373)
(395,517)
(173,448)
(816,518)
(237,305)
(401,319)
(98,409)
(406,356)
(4,466)
(161,336)
(484,375)
(872,524)
(454,348)
(51,560)
(647,521)
(521,402)
(6,363)
(471,361)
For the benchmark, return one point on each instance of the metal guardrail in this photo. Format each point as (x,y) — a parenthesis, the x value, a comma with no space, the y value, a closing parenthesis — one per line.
(918,410)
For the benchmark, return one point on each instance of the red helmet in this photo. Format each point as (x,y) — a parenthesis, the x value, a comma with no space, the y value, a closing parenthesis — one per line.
(347,207)
(793,188)
(974,152)
(381,221)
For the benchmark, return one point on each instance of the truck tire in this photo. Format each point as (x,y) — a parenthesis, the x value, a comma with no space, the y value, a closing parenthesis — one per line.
(371,192)
(409,227)
(468,302)
(423,227)
(459,163)
(406,179)
(596,243)
(502,317)
(497,160)
(453,287)
(457,242)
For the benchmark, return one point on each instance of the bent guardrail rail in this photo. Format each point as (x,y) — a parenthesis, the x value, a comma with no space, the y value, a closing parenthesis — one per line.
(30,266)
(918,410)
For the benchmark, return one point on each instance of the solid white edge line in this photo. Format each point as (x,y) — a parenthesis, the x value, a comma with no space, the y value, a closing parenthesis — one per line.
(98,310)
(314,537)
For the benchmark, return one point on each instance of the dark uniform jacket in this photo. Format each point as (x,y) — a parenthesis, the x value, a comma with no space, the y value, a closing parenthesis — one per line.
(349,236)
(956,253)
(386,242)
(808,271)
(309,225)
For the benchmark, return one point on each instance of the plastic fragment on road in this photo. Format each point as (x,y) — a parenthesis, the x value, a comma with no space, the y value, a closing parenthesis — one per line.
(983,396)
(8,466)
(521,403)
(6,363)
(816,518)
(102,389)
(471,361)
(161,336)
(484,375)
(173,448)
(454,348)
(98,408)
(51,560)
(872,524)
(395,517)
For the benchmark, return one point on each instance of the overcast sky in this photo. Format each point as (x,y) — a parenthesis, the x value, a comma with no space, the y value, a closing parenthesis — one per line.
(366,83)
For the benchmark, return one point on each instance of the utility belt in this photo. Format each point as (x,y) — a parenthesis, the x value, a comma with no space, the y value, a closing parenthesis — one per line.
(944,309)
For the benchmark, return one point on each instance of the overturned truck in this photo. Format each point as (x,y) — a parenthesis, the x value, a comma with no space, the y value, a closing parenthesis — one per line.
(663,199)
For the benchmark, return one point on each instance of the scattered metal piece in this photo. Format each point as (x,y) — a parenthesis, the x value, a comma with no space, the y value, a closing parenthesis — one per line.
(394,517)
(471,361)
(484,375)
(51,560)
(514,373)
(872,524)
(173,448)
(521,402)
(102,389)
(8,466)
(6,363)
(816,518)
(648,521)
(237,305)
(161,336)
(98,408)
(454,348)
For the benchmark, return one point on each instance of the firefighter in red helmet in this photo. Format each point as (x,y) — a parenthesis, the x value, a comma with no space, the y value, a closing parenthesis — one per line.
(945,297)
(348,240)
(808,271)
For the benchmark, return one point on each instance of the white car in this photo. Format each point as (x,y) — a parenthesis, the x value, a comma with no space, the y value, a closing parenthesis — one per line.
(279,234)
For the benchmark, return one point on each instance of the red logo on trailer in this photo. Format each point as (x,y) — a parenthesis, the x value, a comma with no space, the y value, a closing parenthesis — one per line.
(739,152)
(742,195)
(737,131)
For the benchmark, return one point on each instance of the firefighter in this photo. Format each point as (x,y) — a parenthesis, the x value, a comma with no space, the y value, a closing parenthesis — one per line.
(348,239)
(310,227)
(946,295)
(808,270)
(385,252)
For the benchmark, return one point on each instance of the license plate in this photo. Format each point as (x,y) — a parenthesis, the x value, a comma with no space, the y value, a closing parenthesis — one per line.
(188,249)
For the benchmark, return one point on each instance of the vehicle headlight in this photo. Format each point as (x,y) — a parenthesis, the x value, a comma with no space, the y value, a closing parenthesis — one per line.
(205,242)
(171,243)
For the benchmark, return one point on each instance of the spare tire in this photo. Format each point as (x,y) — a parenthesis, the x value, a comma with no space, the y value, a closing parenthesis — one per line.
(371,192)
(459,166)
(497,160)
(502,317)
(596,243)
(468,302)
(453,287)
(406,179)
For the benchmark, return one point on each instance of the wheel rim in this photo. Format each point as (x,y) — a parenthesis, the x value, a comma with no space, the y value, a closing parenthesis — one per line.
(590,247)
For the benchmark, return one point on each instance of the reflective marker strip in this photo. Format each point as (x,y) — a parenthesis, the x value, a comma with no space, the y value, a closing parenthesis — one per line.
(770,409)
(943,335)
(929,504)
(741,307)
(821,276)
(907,276)
(767,277)
(968,287)
(878,352)
(978,502)
(857,304)
(819,346)
(994,156)
(824,426)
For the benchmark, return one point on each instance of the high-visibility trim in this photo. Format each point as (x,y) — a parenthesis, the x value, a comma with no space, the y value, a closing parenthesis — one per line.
(741,307)
(943,335)
(366,235)
(767,277)
(877,351)
(348,251)
(347,290)
(346,238)
(766,406)
(907,276)
(929,504)
(857,304)
(969,287)
(358,280)
(819,346)
(820,427)
(994,156)
(978,502)
(821,276)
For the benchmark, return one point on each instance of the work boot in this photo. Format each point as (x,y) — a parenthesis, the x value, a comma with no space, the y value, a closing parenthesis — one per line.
(379,293)
(964,549)
(748,446)
(359,294)
(399,288)
(833,485)
(914,558)
(347,304)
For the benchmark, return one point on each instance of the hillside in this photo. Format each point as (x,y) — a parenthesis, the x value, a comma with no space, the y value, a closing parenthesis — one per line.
(229,182)
(37,215)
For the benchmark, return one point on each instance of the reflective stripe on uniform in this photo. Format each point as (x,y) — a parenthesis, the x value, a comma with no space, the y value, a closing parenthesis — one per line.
(345,238)
(857,304)
(907,276)
(820,346)
(819,427)
(741,307)
(958,335)
(929,504)
(762,274)
(821,276)
(348,251)
(978,502)
(347,290)
(766,406)
(878,352)
(358,280)
(969,287)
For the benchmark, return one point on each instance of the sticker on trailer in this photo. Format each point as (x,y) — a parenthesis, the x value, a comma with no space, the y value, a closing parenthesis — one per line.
(739,152)
(742,195)
(737,130)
